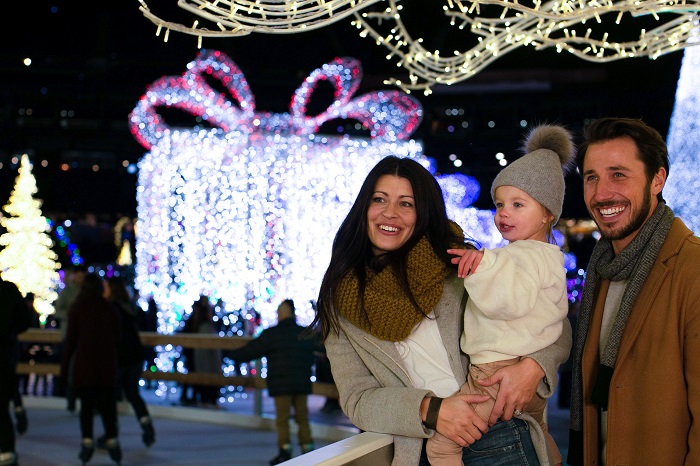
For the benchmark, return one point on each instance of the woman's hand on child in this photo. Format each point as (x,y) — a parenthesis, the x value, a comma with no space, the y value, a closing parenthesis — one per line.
(518,385)
(458,421)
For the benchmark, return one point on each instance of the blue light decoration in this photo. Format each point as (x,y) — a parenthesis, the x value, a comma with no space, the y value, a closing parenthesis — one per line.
(245,211)
(63,237)
(575,279)
(683,183)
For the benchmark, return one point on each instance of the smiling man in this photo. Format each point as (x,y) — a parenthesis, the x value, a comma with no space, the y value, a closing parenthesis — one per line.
(636,365)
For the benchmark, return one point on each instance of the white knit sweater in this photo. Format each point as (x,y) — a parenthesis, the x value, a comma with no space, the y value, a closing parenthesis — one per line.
(517,301)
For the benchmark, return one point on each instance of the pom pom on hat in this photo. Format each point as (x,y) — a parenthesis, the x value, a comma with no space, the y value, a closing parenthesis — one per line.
(540,172)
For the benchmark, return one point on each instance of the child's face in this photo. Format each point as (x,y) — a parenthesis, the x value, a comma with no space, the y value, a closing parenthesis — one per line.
(519,216)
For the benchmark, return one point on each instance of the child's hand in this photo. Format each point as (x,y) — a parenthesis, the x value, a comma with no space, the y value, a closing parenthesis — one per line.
(468,260)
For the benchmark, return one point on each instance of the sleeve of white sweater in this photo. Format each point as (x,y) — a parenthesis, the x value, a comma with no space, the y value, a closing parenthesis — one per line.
(509,280)
(517,301)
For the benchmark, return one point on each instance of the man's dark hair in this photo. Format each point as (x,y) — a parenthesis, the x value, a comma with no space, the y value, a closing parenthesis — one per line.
(651,147)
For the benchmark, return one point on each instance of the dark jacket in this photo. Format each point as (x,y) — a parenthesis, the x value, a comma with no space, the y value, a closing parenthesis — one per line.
(289,357)
(130,349)
(15,317)
(93,336)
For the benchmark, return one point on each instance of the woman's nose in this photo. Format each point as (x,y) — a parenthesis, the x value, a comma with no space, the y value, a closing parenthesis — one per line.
(389,211)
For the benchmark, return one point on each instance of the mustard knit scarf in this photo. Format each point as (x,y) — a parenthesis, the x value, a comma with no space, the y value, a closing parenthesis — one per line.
(390,315)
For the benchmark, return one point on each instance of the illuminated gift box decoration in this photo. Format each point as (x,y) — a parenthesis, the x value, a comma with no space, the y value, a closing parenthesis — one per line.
(246,211)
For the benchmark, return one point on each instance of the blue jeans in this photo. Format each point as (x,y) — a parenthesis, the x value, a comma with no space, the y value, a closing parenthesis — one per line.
(507,443)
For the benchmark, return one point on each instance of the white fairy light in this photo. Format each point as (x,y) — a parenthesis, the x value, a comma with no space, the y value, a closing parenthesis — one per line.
(27,258)
(514,24)
(683,140)
(247,222)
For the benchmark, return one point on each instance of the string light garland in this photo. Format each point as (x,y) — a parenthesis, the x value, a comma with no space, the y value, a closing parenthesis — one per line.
(585,29)
(242,17)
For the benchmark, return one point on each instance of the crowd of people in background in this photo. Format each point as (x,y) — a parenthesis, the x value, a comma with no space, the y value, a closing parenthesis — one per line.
(99,369)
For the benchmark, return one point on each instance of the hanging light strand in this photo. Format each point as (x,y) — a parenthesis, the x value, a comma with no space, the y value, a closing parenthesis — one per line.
(494,28)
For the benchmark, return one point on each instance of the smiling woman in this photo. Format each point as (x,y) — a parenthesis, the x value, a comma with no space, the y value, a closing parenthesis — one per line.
(391,216)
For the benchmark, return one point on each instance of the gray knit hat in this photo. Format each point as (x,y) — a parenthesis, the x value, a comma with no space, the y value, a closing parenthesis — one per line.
(540,172)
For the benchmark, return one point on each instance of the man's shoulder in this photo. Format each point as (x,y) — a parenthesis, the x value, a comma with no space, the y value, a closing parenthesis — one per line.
(287,330)
(682,242)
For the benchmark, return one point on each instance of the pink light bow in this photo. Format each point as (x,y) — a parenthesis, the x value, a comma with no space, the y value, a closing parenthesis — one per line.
(389,115)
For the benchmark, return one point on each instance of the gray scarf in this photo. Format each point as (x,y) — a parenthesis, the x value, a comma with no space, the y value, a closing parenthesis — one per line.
(633,264)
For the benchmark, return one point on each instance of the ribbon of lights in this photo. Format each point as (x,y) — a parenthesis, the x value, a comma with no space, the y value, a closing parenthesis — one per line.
(494,27)
(241,17)
(389,115)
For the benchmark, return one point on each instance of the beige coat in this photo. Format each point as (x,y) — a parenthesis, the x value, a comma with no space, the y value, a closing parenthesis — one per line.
(655,388)
(376,391)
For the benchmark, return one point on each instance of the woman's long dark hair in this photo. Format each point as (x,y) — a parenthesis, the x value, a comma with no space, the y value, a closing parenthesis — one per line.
(352,250)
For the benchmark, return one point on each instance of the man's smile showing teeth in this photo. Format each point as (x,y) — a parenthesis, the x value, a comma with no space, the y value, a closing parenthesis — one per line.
(610,211)
(388,228)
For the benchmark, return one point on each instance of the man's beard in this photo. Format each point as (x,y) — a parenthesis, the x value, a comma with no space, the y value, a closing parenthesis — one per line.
(634,224)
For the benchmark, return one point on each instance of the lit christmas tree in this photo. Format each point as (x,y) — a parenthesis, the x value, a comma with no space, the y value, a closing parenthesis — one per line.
(681,190)
(27,259)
